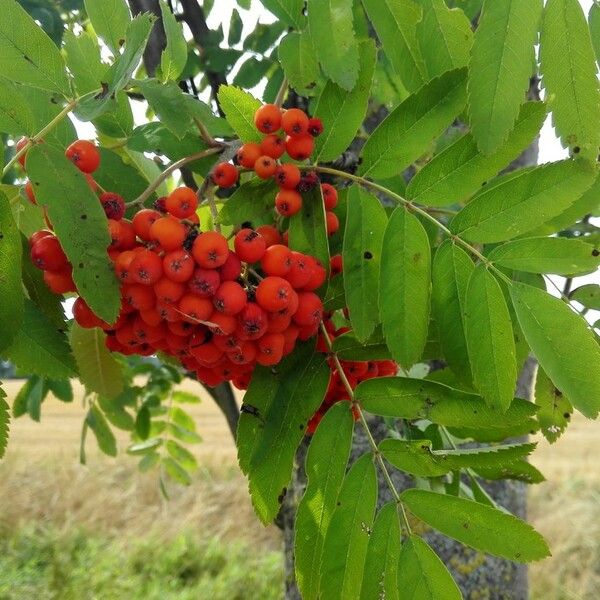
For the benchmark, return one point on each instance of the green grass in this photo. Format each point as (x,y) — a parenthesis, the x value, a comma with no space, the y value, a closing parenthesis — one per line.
(48,564)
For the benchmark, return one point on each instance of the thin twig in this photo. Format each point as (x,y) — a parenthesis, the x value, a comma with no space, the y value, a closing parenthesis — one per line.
(139,201)
(283,88)
(205,135)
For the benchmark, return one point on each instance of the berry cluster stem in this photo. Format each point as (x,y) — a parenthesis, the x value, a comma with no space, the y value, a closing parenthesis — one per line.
(365,425)
(139,201)
(413,207)
(34,139)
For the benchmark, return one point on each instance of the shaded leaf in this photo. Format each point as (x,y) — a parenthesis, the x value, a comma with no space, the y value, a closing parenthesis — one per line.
(239,108)
(110,19)
(588,295)
(104,436)
(174,56)
(298,59)
(168,102)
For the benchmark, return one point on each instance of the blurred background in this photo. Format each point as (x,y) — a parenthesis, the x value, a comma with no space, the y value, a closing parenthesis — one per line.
(105,530)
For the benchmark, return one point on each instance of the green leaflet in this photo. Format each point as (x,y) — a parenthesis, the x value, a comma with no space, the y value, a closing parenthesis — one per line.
(298,59)
(406,398)
(562,256)
(445,37)
(289,11)
(239,108)
(366,221)
(519,202)
(285,397)
(418,457)
(396,26)
(501,64)
(571,361)
(80,224)
(15,115)
(490,341)
(252,201)
(380,579)
(38,347)
(96,421)
(461,169)
(11,307)
(347,347)
(347,538)
(588,295)
(477,525)
(98,370)
(569,76)
(325,469)
(27,54)
(422,575)
(307,230)
(407,132)
(452,268)
(594,24)
(555,410)
(83,59)
(342,112)
(168,102)
(4,422)
(332,30)
(404,286)
(174,56)
(110,19)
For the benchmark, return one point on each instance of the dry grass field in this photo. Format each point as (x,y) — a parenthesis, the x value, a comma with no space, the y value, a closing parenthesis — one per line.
(43,486)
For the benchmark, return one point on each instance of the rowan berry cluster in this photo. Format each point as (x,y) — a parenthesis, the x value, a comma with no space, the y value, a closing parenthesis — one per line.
(265,159)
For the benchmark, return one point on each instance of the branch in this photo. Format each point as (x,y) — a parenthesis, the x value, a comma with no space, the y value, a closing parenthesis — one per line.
(225,399)
(158,40)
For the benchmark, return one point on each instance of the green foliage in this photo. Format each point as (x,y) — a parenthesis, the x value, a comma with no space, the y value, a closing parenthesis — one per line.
(569,360)
(252,202)
(4,422)
(500,68)
(167,101)
(561,256)
(289,11)
(298,59)
(11,307)
(96,421)
(381,564)
(325,468)
(239,108)
(490,342)
(27,54)
(366,221)
(404,286)
(422,575)
(80,224)
(555,409)
(110,19)
(332,31)
(420,459)
(461,169)
(267,441)
(174,56)
(516,203)
(406,398)
(98,370)
(588,295)
(482,527)
(341,111)
(347,538)
(569,77)
(38,347)
(406,133)
(396,27)
(16,117)
(347,347)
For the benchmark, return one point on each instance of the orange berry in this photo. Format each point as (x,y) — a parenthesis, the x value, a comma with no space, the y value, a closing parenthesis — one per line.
(168,232)
(182,202)
(224,175)
(300,147)
(210,250)
(288,202)
(294,122)
(267,118)
(265,167)
(273,146)
(248,154)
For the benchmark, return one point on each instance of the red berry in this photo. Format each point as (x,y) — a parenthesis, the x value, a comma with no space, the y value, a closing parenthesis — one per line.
(84,154)
(335,265)
(310,310)
(113,205)
(210,250)
(333,223)
(274,294)
(204,282)
(294,122)
(267,118)
(140,297)
(330,196)
(225,175)
(168,232)
(47,254)
(300,272)
(270,349)
(178,265)
(288,176)
(60,282)
(249,245)
(146,268)
(182,202)
(265,167)
(231,269)
(318,275)
(230,298)
(252,322)
(270,234)
(277,260)
(123,263)
(168,291)
(38,235)
(84,316)
(29,193)
(288,202)
(248,154)
(19,146)
(300,147)
(315,127)
(273,146)
(142,221)
(194,308)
